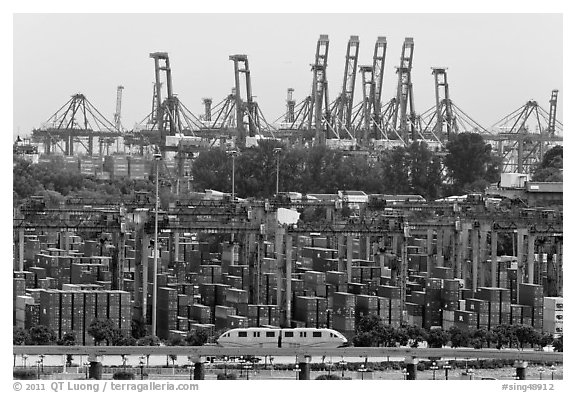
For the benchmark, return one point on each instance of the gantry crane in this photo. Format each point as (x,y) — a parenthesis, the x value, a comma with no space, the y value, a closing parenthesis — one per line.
(341,116)
(520,147)
(320,102)
(77,121)
(403,120)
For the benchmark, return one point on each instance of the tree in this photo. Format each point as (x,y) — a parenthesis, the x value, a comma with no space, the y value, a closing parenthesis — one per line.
(437,338)
(138,328)
(101,330)
(212,169)
(148,341)
(467,160)
(550,168)
(425,172)
(558,344)
(68,339)
(20,336)
(197,338)
(395,175)
(458,337)
(42,335)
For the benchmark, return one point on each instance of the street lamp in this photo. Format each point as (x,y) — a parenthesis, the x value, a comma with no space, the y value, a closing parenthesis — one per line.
(362,370)
(540,370)
(226,365)
(297,369)
(157,158)
(434,367)
(233,154)
(247,367)
(552,369)
(141,367)
(446,367)
(342,365)
(277,151)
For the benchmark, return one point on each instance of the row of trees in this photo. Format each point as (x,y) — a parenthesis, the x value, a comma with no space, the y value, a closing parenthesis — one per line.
(416,169)
(103,331)
(372,332)
(469,162)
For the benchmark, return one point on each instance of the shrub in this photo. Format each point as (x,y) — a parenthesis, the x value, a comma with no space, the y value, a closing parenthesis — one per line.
(328,376)
(124,375)
(222,376)
(24,374)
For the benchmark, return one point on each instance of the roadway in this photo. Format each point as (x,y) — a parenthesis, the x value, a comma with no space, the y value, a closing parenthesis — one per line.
(369,352)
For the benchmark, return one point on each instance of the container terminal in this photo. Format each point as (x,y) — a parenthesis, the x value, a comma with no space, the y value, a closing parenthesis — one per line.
(211,262)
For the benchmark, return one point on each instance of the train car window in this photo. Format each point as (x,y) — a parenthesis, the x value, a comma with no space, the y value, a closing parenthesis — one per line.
(242,334)
(288,334)
(331,334)
(316,334)
(270,334)
(256,334)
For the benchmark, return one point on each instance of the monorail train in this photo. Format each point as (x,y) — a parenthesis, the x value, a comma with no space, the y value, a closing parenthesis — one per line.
(258,337)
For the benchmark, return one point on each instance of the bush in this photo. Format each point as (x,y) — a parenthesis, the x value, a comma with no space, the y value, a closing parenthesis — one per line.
(124,375)
(24,374)
(328,376)
(222,376)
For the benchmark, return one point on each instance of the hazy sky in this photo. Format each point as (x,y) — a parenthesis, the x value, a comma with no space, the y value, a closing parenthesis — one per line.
(496,62)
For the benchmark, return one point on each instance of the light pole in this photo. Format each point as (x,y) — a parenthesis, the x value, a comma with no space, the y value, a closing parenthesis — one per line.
(342,364)
(157,158)
(233,154)
(247,367)
(540,370)
(552,370)
(277,151)
(226,365)
(446,367)
(362,370)
(434,367)
(141,367)
(297,369)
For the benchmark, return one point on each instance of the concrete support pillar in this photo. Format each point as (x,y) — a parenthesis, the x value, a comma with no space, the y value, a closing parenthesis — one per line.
(341,252)
(175,236)
(304,373)
(21,249)
(530,258)
(483,253)
(411,368)
(361,248)
(349,255)
(368,247)
(65,240)
(95,369)
(493,259)
(279,250)
(559,267)
(144,265)
(429,250)
(288,279)
(520,256)
(439,247)
(475,258)
(461,271)
(521,369)
(199,371)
